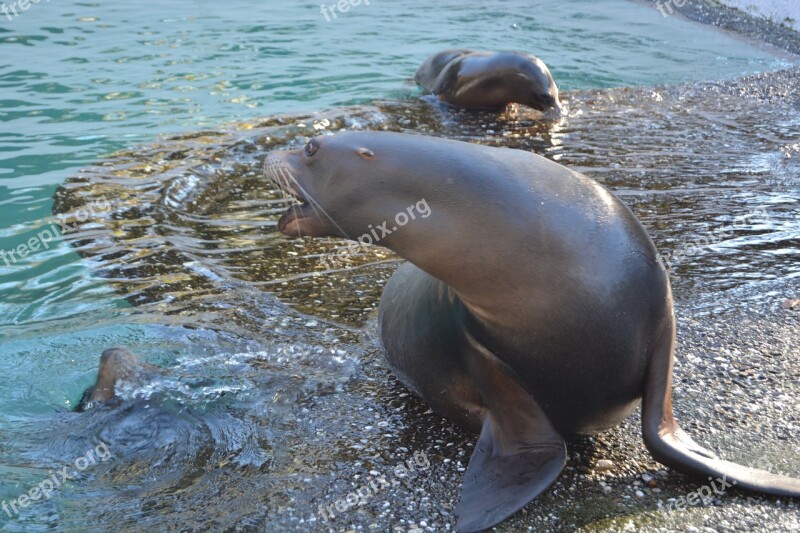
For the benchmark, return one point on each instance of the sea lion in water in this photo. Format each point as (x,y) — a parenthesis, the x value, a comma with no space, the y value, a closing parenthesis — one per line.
(533,306)
(486,80)
(116,364)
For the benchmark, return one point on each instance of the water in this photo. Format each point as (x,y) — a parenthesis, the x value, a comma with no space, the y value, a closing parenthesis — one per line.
(80,80)
(256,390)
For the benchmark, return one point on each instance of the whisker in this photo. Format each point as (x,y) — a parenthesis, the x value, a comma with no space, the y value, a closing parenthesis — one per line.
(314,202)
(274,171)
(294,213)
(286,175)
(281,174)
(289,177)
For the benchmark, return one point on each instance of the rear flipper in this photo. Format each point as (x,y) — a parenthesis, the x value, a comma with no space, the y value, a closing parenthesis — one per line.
(518,455)
(670,448)
(670,445)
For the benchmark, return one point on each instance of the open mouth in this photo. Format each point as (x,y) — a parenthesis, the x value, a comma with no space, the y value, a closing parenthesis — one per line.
(278,172)
(296,198)
(289,223)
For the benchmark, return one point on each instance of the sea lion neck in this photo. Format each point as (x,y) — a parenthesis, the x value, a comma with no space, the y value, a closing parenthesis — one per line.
(476,239)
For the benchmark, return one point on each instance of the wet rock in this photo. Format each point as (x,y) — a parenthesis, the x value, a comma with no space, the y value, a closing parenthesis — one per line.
(604,465)
(791,304)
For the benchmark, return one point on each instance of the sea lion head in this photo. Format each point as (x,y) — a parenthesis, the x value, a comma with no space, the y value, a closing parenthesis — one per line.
(490,80)
(507,77)
(345,185)
(543,93)
(116,364)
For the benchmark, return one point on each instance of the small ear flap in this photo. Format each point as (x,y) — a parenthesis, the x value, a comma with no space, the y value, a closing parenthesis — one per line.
(366,153)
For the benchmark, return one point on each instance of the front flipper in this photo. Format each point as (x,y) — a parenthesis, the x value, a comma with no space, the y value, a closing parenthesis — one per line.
(518,455)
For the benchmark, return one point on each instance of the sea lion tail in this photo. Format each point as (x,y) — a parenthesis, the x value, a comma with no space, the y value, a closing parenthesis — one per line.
(671,446)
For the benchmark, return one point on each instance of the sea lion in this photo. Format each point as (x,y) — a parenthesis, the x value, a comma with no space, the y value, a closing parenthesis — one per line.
(486,80)
(116,364)
(533,306)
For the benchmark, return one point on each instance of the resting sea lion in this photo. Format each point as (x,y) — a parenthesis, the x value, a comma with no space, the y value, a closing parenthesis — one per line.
(533,306)
(485,80)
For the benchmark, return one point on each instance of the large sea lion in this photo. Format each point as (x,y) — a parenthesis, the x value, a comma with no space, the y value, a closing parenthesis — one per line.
(486,80)
(533,306)
(116,365)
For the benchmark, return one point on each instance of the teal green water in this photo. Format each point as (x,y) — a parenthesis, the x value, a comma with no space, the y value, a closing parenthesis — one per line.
(79,80)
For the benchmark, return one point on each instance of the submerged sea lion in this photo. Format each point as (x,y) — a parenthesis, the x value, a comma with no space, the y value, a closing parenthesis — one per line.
(486,80)
(533,306)
(116,364)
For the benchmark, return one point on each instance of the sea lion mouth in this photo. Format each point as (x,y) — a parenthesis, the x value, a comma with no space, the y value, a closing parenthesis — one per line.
(554,112)
(300,207)
(289,223)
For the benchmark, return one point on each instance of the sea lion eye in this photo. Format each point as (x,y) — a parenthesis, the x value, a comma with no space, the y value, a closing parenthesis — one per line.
(311,148)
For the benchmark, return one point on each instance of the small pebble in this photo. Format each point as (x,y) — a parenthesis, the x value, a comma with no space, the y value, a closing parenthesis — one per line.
(604,465)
